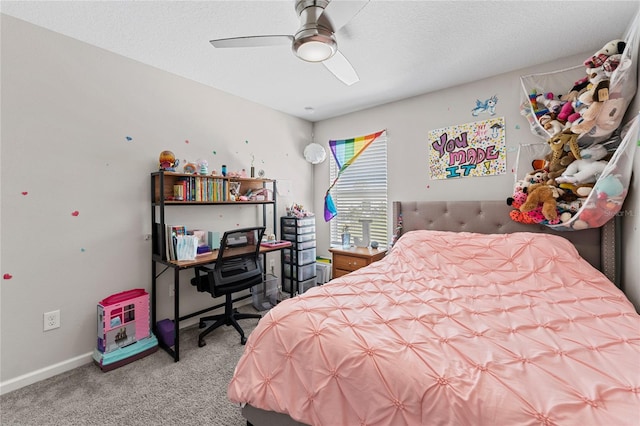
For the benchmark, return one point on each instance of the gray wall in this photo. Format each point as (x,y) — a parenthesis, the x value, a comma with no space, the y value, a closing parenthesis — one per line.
(67,109)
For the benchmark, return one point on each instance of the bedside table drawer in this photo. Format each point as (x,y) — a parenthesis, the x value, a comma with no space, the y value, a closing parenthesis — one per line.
(348,263)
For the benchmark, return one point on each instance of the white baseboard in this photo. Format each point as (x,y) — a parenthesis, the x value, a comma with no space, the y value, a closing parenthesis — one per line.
(61,367)
(44,373)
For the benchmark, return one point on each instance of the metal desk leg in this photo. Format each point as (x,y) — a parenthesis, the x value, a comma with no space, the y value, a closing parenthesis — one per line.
(153,297)
(176,312)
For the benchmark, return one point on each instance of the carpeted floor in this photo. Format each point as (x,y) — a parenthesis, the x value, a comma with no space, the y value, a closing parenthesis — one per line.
(151,391)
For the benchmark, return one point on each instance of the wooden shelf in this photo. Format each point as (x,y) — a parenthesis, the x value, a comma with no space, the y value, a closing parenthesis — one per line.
(205,189)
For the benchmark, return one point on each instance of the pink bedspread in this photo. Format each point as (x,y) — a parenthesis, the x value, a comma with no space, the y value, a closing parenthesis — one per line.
(452,329)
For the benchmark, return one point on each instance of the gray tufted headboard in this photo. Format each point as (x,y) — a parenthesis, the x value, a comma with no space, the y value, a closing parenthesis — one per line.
(600,246)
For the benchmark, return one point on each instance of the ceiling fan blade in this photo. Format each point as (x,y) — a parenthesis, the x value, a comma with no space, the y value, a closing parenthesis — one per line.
(339,12)
(253,41)
(342,69)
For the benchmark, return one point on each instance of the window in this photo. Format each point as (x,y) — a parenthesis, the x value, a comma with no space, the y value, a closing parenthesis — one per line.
(361,193)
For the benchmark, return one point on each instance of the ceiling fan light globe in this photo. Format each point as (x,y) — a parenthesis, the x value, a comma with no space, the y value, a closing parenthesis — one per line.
(315,51)
(314,45)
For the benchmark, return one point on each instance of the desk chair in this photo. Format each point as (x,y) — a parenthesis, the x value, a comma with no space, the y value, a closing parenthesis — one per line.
(237,268)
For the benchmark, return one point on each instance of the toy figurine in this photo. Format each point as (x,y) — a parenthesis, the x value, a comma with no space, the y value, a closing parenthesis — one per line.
(204,167)
(189,168)
(168,162)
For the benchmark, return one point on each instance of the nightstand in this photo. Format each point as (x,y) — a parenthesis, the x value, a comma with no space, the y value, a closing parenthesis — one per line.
(347,260)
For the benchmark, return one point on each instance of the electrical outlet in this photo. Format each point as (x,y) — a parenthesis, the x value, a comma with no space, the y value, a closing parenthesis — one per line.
(172,290)
(51,320)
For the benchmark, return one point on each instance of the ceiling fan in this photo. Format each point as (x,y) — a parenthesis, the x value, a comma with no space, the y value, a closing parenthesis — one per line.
(315,39)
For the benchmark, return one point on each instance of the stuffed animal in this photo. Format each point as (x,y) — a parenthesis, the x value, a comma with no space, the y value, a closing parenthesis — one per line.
(595,214)
(588,168)
(548,100)
(610,185)
(597,77)
(611,64)
(588,118)
(550,124)
(536,176)
(565,111)
(580,190)
(564,147)
(517,200)
(611,48)
(543,194)
(611,113)
(558,143)
(578,87)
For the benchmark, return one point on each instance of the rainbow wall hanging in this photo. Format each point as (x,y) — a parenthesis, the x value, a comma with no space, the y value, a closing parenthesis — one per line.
(345,152)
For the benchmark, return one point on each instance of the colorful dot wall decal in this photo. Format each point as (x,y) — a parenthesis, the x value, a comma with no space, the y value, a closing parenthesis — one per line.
(517,127)
(7,276)
(75,213)
(24,192)
(129,138)
(186,141)
(82,250)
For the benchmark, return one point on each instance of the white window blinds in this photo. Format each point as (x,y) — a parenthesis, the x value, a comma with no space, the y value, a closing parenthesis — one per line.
(361,193)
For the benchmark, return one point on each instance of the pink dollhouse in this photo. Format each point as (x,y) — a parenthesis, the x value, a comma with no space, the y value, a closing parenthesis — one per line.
(124,332)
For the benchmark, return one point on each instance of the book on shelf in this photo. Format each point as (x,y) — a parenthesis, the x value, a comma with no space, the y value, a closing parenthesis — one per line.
(203,250)
(172,232)
(213,238)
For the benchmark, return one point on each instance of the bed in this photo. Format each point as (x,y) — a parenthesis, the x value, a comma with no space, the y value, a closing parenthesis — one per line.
(470,319)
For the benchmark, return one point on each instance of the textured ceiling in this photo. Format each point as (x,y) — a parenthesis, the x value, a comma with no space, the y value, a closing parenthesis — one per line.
(399,48)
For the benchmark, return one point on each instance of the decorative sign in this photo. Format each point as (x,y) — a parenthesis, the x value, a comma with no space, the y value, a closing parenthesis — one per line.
(472,149)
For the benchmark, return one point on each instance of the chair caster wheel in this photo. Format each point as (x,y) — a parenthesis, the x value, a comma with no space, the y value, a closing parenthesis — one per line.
(201,343)
(243,340)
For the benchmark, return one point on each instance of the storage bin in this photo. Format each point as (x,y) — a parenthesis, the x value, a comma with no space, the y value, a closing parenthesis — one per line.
(287,283)
(306,245)
(301,230)
(166,332)
(299,238)
(303,286)
(294,221)
(301,273)
(323,272)
(605,117)
(300,257)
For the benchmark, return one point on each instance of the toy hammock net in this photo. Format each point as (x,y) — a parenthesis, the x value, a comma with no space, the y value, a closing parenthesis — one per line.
(583,181)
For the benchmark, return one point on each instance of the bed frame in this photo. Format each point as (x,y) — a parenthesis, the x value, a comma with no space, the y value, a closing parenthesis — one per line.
(600,247)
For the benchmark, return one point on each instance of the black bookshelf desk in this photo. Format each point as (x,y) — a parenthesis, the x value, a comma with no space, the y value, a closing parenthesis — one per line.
(178,266)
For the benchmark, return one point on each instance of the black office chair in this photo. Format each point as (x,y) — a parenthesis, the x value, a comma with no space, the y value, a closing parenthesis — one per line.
(237,268)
